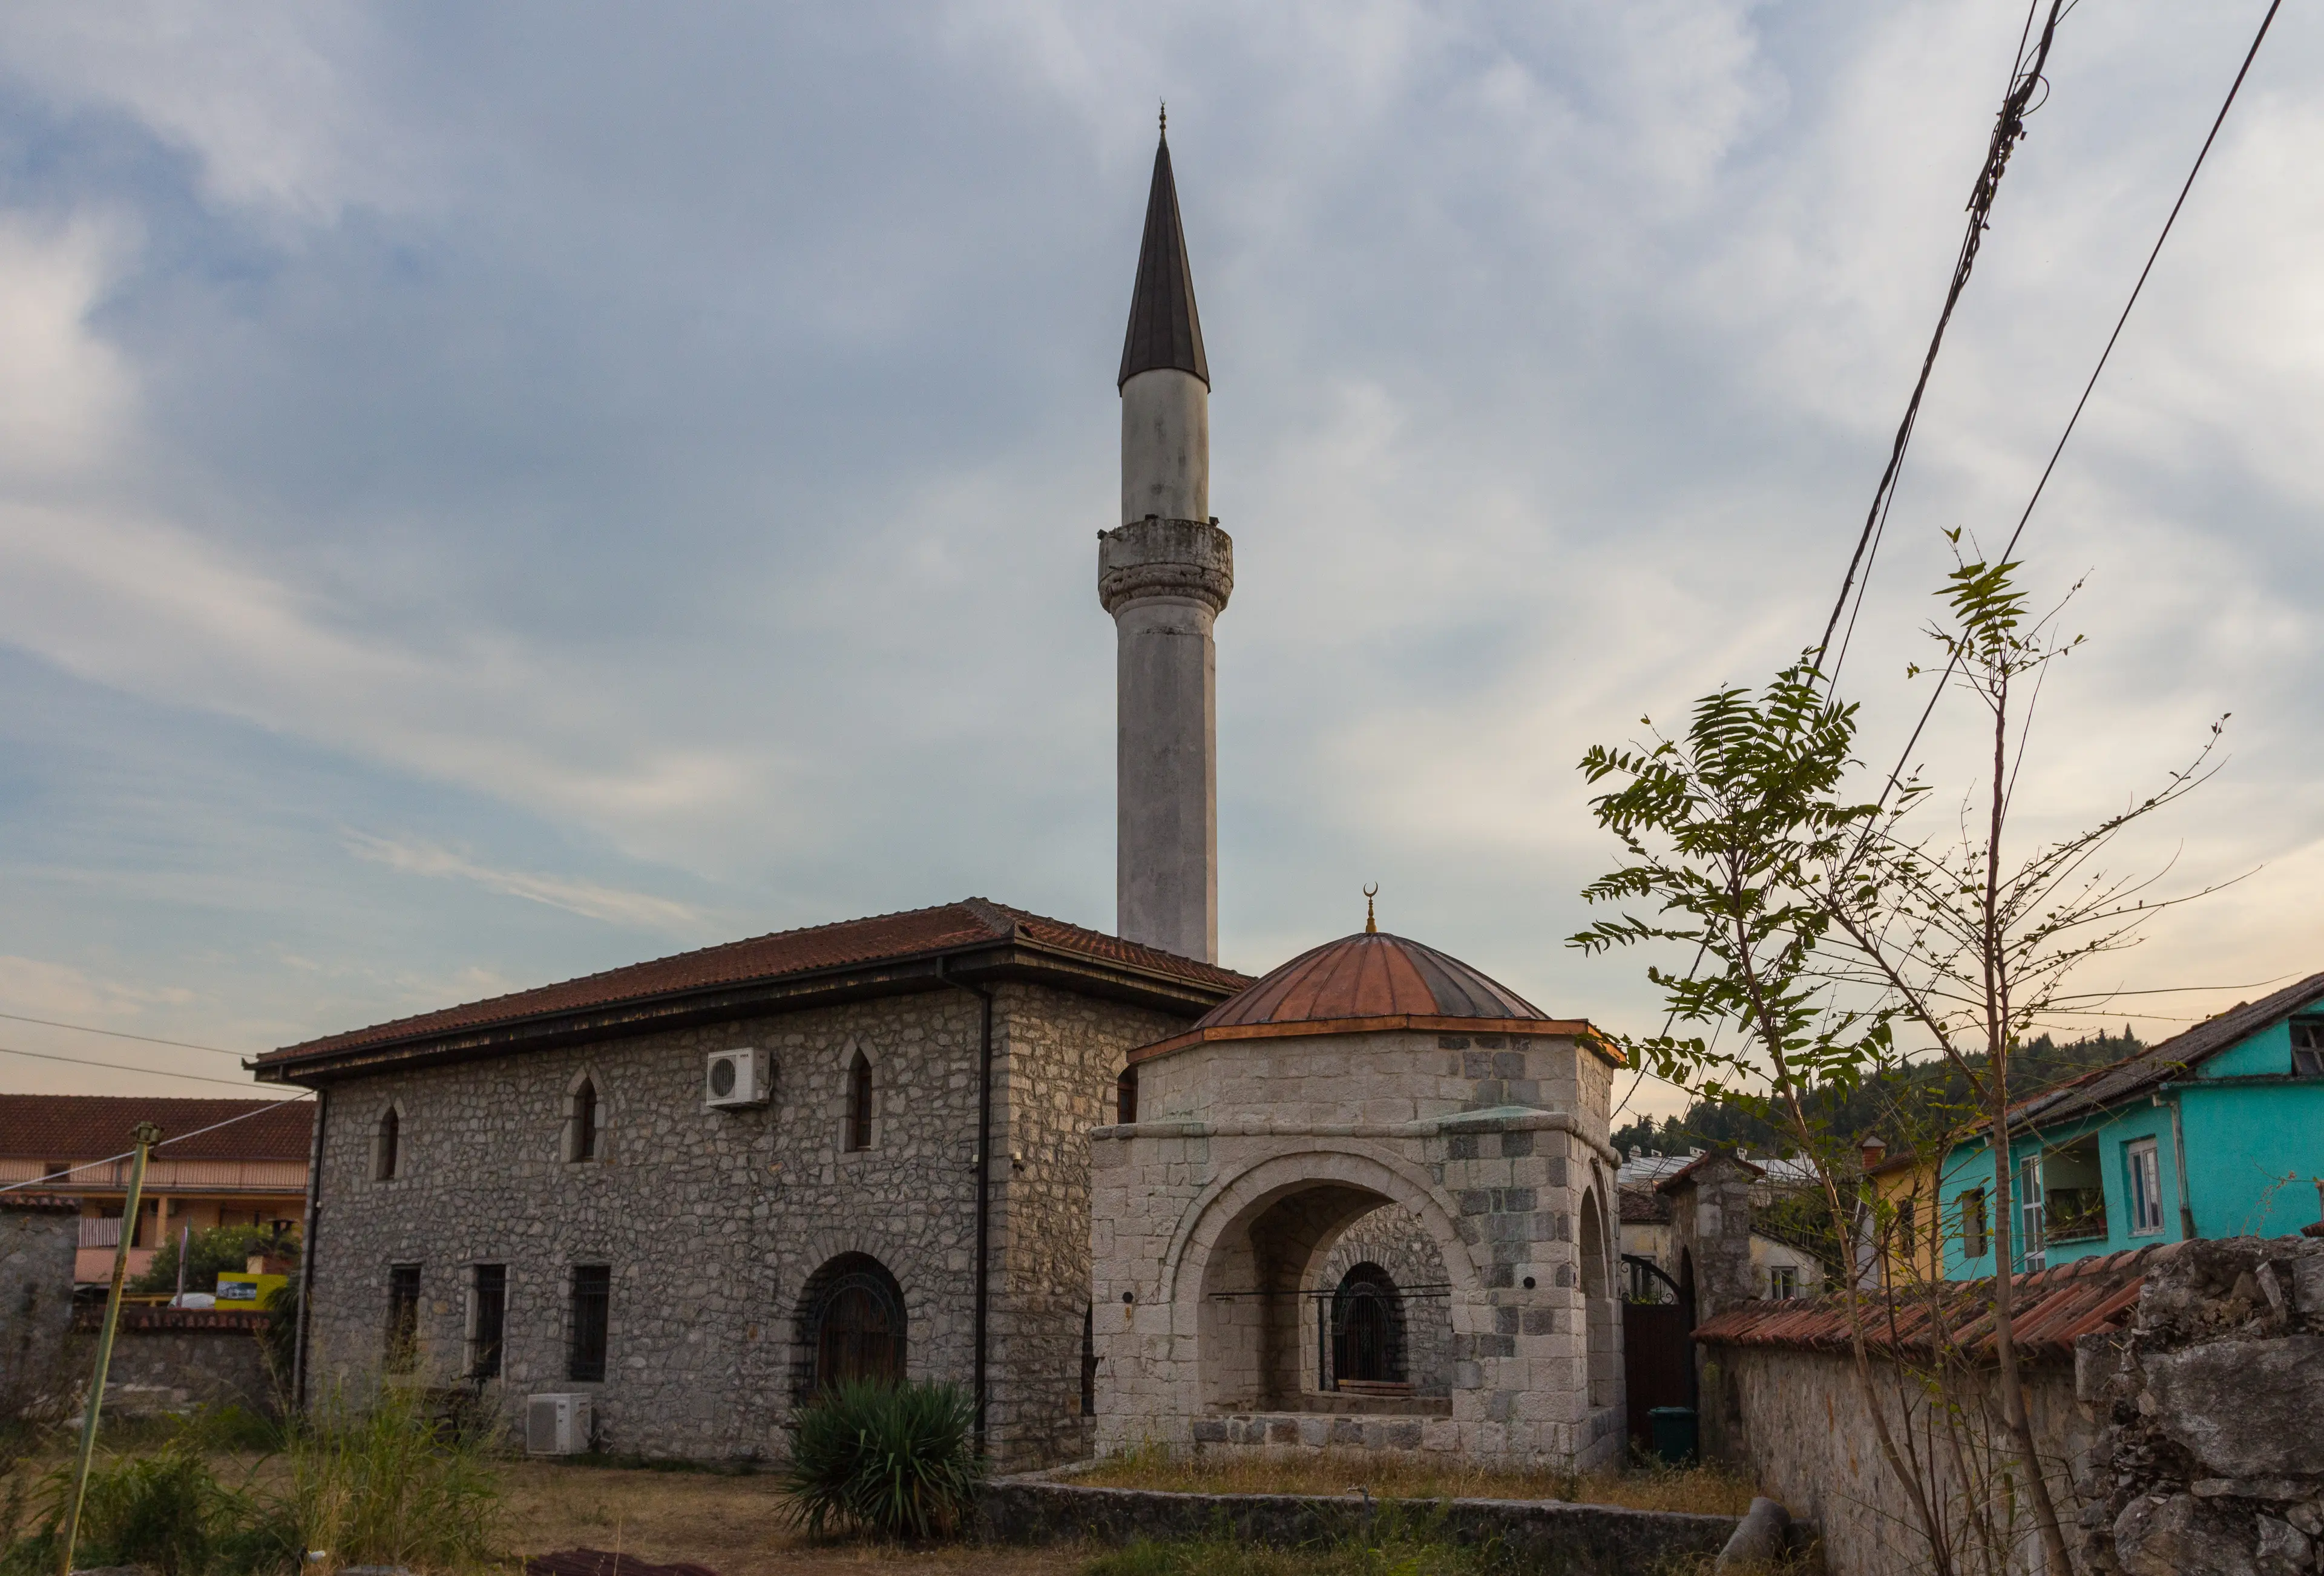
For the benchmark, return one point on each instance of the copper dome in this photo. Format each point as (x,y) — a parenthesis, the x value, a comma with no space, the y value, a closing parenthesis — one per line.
(1370,974)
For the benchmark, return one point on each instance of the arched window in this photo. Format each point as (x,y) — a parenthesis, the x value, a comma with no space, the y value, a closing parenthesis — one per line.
(1125,1096)
(1597,1310)
(859,1102)
(1089,1360)
(1368,1329)
(852,1324)
(386,1144)
(584,1130)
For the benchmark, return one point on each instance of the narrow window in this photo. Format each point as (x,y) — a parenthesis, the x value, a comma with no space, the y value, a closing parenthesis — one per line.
(1089,1362)
(584,1121)
(1783,1281)
(2145,1188)
(2308,1047)
(592,1291)
(1125,1096)
(2029,1212)
(1908,1217)
(1973,1223)
(387,1145)
(490,1319)
(859,1102)
(402,1318)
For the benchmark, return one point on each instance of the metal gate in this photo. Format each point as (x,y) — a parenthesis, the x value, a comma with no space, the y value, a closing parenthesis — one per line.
(1658,1347)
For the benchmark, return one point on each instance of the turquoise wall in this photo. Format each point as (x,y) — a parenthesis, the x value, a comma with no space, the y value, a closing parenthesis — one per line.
(2255,1144)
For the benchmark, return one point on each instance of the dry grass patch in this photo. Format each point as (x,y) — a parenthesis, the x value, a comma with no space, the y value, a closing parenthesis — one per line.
(1698,1490)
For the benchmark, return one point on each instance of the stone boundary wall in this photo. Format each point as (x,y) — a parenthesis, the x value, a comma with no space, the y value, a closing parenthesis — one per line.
(1582,1539)
(173,1359)
(39,1237)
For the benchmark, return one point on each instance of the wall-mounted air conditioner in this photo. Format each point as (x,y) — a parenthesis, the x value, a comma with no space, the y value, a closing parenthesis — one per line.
(557,1425)
(732,1079)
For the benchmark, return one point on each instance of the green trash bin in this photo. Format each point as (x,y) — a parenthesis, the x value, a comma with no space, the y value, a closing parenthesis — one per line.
(1674,1432)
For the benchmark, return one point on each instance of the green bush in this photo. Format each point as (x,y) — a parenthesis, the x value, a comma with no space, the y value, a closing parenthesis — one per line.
(221,1248)
(895,1459)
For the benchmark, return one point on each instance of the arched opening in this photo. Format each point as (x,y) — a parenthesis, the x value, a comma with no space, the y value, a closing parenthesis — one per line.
(852,1326)
(582,1124)
(1602,1342)
(859,1102)
(387,1145)
(1367,1332)
(1125,1096)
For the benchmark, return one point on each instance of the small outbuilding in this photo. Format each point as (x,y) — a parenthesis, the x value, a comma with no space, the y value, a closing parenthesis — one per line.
(1286,1172)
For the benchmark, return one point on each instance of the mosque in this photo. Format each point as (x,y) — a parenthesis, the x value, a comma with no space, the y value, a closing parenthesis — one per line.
(1118,1192)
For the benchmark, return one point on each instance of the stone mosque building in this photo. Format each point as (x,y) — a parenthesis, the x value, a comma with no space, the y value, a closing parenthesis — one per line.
(1117,1192)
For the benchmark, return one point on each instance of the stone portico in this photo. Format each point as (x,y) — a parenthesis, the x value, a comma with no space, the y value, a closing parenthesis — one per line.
(1371,1079)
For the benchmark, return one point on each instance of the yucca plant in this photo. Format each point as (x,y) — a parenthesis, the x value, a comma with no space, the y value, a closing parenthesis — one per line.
(898,1460)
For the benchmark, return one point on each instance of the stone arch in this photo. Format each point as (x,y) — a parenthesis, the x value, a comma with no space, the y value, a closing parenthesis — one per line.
(1244,1265)
(390,1147)
(586,1131)
(850,1322)
(1391,1238)
(1602,1345)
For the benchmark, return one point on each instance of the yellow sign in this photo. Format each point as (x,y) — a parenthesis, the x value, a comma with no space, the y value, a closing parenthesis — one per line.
(248,1291)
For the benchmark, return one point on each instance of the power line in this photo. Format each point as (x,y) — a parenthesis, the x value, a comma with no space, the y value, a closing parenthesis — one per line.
(2187,185)
(118,1034)
(165,1143)
(122,1067)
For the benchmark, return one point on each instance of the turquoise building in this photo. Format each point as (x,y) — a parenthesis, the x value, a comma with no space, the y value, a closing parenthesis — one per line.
(2217,1132)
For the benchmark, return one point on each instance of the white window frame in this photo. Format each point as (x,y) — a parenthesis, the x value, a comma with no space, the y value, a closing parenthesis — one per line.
(2142,1159)
(2032,1246)
(1783,1281)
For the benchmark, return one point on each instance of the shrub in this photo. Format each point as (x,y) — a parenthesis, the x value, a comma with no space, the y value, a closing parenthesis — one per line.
(165,1511)
(393,1485)
(895,1459)
(208,1253)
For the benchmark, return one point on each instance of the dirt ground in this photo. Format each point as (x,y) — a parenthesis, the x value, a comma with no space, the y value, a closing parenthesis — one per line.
(734,1525)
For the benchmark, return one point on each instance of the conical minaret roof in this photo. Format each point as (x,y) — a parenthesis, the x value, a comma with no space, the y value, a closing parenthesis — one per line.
(1165,330)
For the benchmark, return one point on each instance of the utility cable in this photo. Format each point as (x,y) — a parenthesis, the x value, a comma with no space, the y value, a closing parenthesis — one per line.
(123,1067)
(176,1138)
(1953,661)
(117,1034)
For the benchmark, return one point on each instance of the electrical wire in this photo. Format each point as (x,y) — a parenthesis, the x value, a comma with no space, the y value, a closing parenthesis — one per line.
(123,1067)
(118,1034)
(179,1138)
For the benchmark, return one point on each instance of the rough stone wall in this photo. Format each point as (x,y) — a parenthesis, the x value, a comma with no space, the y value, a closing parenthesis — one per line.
(2210,1459)
(170,1361)
(1394,1238)
(1490,1140)
(1064,1056)
(1795,1423)
(712,1221)
(37,1247)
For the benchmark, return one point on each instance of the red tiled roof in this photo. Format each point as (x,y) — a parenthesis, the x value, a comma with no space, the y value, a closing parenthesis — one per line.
(883,938)
(2050,1309)
(1643,1206)
(92,1126)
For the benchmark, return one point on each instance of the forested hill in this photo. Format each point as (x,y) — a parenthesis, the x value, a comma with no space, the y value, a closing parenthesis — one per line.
(1904,1107)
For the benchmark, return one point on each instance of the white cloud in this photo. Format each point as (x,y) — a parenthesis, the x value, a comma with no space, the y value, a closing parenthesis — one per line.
(587,899)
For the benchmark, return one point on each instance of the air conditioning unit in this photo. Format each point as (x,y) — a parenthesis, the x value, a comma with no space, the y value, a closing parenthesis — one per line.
(733,1080)
(557,1425)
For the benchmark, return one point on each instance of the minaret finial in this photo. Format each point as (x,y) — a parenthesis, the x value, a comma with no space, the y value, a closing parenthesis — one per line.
(1166,117)
(1371,926)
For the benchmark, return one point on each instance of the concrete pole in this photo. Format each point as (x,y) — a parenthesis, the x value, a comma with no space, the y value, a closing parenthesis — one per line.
(1165,574)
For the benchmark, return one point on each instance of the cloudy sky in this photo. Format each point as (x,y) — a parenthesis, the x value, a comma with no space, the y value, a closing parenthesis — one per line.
(490,493)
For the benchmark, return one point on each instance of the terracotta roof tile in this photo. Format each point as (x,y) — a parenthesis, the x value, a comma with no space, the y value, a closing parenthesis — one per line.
(91,1127)
(2052,1307)
(882,938)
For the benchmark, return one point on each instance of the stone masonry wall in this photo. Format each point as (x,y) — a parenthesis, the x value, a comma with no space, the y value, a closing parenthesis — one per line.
(37,1243)
(711,1220)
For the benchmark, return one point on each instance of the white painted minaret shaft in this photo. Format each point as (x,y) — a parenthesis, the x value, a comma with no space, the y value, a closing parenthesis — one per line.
(1164,576)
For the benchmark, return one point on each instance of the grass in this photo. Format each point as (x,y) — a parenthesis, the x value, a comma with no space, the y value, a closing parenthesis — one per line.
(1700,1490)
(1396,1547)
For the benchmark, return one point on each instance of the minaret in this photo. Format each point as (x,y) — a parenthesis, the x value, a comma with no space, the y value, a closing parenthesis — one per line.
(1165,574)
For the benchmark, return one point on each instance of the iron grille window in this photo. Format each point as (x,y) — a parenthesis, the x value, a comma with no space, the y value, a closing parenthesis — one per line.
(593,1296)
(490,1320)
(402,1317)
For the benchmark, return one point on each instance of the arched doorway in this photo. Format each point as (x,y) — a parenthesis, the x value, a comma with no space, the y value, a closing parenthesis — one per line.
(1367,1331)
(852,1324)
